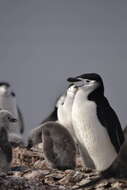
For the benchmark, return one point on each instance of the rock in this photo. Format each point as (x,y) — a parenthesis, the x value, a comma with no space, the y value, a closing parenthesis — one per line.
(29,171)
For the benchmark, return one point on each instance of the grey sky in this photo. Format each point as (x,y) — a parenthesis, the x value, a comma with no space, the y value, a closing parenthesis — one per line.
(42,42)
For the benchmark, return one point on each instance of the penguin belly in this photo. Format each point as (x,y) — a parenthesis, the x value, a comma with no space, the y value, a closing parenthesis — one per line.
(92,135)
(65,116)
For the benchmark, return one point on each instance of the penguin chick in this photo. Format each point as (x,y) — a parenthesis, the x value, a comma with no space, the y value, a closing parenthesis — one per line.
(5,151)
(58,146)
(8,102)
(35,137)
(118,169)
(6,118)
(15,140)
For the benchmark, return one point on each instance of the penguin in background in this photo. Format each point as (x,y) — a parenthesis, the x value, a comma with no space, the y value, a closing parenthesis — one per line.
(8,101)
(58,146)
(5,147)
(6,118)
(96,124)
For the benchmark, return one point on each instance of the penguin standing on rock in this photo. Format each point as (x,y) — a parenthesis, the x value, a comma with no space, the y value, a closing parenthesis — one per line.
(96,124)
(8,102)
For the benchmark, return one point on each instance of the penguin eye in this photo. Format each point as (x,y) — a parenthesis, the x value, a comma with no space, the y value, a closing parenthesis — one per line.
(13,94)
(87,80)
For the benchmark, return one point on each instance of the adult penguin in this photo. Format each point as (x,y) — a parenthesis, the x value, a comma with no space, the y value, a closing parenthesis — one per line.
(96,124)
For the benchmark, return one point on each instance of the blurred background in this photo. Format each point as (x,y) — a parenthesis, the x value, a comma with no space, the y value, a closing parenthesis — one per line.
(44,42)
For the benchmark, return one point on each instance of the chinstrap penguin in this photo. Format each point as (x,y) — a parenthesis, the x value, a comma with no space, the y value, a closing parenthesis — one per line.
(8,101)
(58,146)
(65,109)
(96,124)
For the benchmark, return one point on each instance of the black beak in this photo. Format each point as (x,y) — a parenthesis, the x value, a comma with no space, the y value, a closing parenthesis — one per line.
(73,79)
(13,120)
(13,94)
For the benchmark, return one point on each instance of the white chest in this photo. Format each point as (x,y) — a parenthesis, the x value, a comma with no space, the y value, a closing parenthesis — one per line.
(91,134)
(64,112)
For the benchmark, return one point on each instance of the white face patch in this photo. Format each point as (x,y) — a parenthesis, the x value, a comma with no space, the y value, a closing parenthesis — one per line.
(3,90)
(87,85)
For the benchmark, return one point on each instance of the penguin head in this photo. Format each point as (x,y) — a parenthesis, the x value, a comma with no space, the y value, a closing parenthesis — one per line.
(6,116)
(72,89)
(91,83)
(5,89)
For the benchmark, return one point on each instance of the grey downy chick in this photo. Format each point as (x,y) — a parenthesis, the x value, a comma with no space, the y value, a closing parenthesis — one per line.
(5,151)
(6,118)
(58,146)
(35,136)
(16,140)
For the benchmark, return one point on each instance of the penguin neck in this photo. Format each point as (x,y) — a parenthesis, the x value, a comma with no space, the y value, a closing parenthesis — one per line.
(69,99)
(81,95)
(96,96)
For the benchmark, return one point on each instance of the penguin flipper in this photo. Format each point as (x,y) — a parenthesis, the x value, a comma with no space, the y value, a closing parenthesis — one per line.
(21,120)
(112,124)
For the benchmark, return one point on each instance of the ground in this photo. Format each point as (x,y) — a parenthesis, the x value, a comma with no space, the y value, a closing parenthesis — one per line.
(29,170)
